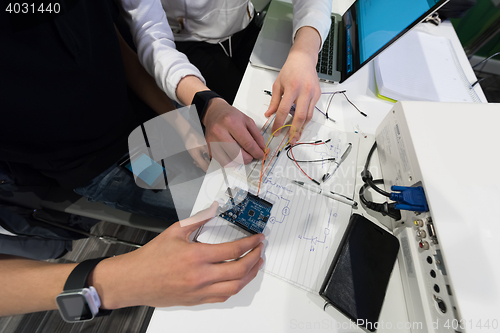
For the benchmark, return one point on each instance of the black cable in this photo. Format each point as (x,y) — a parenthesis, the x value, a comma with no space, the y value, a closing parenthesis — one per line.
(367,176)
(478,81)
(305,161)
(369,157)
(310,161)
(485,60)
(361,112)
(383,208)
(378,189)
(363,189)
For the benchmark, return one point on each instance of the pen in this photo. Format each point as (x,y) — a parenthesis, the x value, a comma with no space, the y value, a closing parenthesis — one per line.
(228,188)
(346,153)
(342,159)
(330,195)
(348,200)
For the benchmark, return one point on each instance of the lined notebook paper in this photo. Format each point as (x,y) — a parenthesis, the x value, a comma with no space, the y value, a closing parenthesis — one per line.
(304,228)
(422,67)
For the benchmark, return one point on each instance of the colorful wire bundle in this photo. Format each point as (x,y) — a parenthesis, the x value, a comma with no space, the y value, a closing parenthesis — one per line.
(267,150)
(292,157)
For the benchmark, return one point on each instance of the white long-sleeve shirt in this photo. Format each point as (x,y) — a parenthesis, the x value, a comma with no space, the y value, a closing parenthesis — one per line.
(199,20)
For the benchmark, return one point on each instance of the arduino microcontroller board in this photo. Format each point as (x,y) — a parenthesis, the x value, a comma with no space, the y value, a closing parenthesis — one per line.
(246,210)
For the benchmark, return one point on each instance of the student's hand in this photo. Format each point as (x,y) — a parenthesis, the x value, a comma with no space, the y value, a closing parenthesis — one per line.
(225,123)
(297,83)
(196,146)
(170,270)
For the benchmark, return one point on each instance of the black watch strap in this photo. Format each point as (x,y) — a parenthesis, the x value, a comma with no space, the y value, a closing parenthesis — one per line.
(78,278)
(201,99)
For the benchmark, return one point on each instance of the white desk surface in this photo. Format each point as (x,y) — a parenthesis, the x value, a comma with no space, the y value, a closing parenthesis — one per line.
(269,304)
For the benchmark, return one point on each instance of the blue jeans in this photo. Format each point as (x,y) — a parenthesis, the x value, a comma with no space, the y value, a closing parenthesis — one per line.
(116,188)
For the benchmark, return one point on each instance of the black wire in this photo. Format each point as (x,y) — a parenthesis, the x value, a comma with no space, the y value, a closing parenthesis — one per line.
(343,92)
(485,60)
(362,113)
(362,192)
(383,208)
(367,163)
(378,189)
(481,69)
(369,180)
(478,81)
(309,161)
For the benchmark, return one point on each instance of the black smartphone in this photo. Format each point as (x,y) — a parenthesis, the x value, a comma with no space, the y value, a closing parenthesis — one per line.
(357,280)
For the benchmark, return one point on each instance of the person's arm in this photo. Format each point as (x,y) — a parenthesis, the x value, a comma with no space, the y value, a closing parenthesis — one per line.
(169,270)
(156,46)
(29,285)
(181,80)
(298,80)
(141,82)
(146,88)
(223,122)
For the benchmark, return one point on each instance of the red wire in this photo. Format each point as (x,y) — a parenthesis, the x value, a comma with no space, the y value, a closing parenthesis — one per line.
(298,166)
(262,167)
(296,163)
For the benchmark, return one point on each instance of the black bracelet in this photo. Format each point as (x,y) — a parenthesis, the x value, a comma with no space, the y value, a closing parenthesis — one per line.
(201,99)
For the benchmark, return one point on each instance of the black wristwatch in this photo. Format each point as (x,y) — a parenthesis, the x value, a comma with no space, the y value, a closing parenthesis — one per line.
(201,99)
(79,302)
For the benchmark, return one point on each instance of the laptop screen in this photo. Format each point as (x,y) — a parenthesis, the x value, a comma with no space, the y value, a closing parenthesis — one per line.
(372,25)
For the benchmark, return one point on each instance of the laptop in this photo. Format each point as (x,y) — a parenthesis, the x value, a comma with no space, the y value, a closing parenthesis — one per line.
(366,29)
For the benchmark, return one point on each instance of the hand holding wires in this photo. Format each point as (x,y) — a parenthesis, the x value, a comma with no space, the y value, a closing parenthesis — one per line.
(292,109)
(332,93)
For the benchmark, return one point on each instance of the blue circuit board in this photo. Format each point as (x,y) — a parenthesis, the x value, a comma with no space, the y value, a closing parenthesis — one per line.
(251,213)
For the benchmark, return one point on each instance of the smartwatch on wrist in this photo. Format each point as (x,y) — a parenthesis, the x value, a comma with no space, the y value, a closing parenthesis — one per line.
(201,99)
(79,302)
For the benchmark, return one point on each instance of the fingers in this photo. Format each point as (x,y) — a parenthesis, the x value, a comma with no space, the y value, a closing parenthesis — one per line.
(235,270)
(200,158)
(303,114)
(226,153)
(228,124)
(230,141)
(275,99)
(231,250)
(212,299)
(247,137)
(194,222)
(300,117)
(257,135)
(221,291)
(282,113)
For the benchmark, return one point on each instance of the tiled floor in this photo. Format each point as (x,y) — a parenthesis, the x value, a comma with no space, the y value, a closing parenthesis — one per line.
(127,320)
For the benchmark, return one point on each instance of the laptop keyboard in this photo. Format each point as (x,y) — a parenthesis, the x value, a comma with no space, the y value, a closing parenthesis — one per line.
(325,56)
